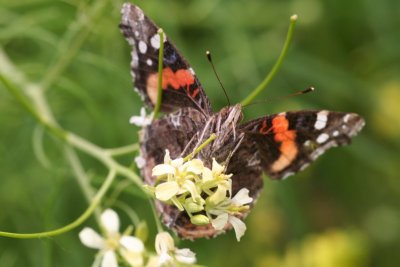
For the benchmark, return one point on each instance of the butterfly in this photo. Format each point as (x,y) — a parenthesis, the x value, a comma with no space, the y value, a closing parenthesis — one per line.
(278,145)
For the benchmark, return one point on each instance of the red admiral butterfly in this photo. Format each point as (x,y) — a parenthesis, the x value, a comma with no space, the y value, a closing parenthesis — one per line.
(279,145)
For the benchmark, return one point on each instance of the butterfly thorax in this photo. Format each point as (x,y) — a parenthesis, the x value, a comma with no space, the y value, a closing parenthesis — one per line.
(224,125)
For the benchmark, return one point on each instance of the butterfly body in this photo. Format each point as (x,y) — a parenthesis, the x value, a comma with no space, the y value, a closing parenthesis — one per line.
(279,145)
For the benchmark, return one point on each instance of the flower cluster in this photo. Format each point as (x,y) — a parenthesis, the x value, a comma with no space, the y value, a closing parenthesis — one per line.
(204,194)
(115,247)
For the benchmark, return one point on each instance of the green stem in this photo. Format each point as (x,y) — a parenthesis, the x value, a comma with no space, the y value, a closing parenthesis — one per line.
(277,65)
(96,200)
(81,177)
(119,151)
(72,41)
(160,69)
(54,129)
(197,150)
(71,138)
(156,217)
(100,154)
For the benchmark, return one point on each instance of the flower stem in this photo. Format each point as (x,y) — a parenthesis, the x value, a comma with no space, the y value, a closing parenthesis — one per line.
(156,217)
(51,127)
(160,69)
(277,65)
(96,201)
(197,150)
(119,151)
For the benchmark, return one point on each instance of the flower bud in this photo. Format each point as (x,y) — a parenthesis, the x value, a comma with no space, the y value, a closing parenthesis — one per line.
(200,219)
(193,207)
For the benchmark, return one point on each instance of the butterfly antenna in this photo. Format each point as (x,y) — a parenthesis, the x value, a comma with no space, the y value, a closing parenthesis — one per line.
(208,54)
(302,92)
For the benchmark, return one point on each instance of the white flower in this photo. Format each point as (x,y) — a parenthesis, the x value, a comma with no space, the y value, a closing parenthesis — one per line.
(225,212)
(142,120)
(169,255)
(129,247)
(179,176)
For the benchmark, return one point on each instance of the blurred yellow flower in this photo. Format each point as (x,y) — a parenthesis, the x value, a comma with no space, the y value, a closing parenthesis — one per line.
(386,118)
(334,248)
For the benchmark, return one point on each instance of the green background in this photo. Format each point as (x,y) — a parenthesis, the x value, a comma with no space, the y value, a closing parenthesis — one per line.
(341,211)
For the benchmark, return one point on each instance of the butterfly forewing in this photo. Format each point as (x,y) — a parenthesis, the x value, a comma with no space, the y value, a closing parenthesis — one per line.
(180,85)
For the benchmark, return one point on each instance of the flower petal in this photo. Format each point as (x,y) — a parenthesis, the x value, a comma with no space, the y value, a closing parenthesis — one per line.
(132,243)
(109,259)
(220,222)
(167,158)
(162,169)
(195,166)
(185,255)
(140,162)
(91,239)
(238,226)
(133,258)
(191,187)
(177,162)
(207,174)
(216,167)
(218,196)
(166,190)
(164,259)
(164,243)
(141,120)
(153,261)
(110,221)
(242,197)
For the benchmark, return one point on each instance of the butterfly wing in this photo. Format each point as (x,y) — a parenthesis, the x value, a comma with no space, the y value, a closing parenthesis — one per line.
(180,85)
(288,142)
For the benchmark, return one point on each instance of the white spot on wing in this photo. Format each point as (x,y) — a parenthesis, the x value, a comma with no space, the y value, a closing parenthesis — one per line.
(305,165)
(135,59)
(136,33)
(346,118)
(133,74)
(322,119)
(322,138)
(155,41)
(149,62)
(131,41)
(307,143)
(335,133)
(286,175)
(139,13)
(142,47)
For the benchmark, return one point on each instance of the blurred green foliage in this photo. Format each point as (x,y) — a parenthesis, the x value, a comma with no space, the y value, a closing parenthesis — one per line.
(344,209)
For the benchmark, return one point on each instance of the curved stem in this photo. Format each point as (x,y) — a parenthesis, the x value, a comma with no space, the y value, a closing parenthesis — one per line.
(96,200)
(277,65)
(160,69)
(100,154)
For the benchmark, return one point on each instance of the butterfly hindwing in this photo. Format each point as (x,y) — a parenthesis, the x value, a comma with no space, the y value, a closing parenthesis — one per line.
(180,85)
(288,142)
